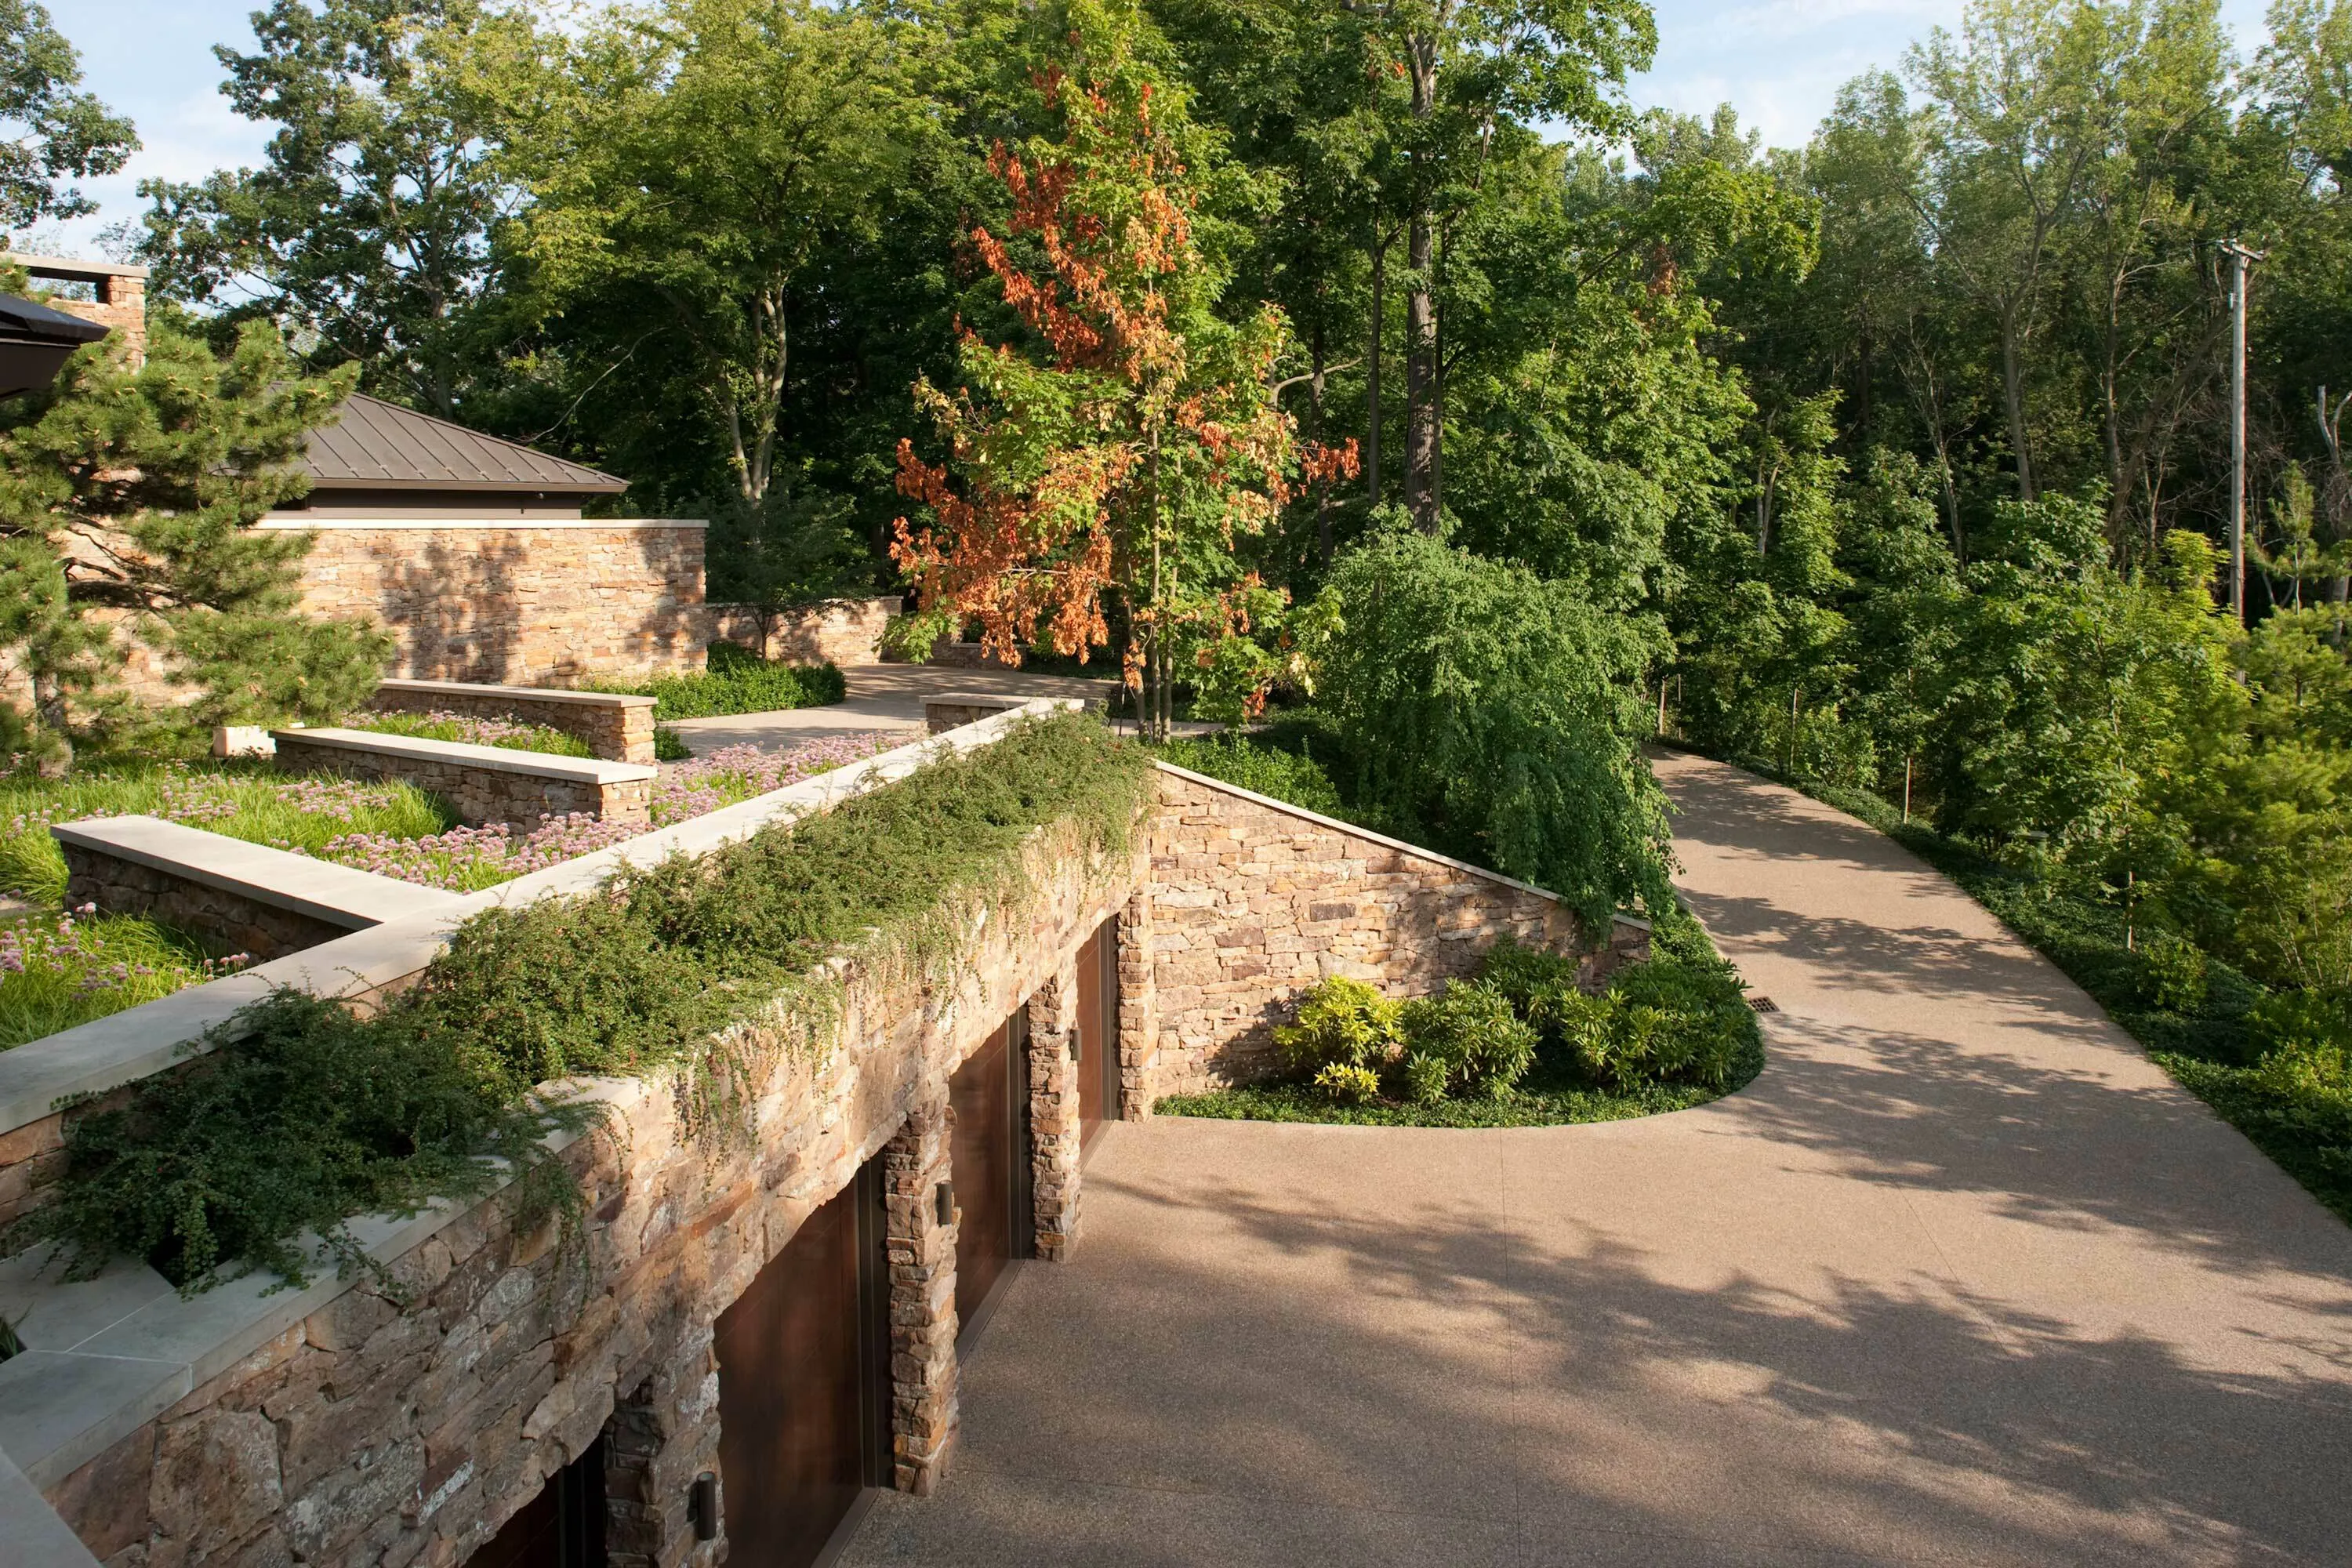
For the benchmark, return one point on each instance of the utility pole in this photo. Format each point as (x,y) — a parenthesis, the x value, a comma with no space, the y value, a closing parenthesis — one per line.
(2239,258)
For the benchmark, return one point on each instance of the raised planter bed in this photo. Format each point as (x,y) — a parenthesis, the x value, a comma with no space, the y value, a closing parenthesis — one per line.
(264,902)
(619,727)
(483,784)
(945,711)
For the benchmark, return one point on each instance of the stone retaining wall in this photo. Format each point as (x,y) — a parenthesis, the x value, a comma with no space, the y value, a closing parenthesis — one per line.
(239,923)
(838,631)
(523,603)
(252,899)
(1254,901)
(374,1433)
(483,784)
(617,728)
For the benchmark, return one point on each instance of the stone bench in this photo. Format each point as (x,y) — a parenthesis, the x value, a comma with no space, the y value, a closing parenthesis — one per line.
(483,784)
(263,901)
(618,728)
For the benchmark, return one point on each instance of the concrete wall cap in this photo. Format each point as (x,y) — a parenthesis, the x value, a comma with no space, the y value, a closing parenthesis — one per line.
(483,689)
(497,759)
(337,895)
(294,520)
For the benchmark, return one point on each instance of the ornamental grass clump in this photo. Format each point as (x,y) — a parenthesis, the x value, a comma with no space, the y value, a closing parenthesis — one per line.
(254,803)
(59,972)
(304,1114)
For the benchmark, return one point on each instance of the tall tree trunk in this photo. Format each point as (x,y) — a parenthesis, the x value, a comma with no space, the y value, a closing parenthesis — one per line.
(1315,409)
(2012,393)
(1372,371)
(1421,410)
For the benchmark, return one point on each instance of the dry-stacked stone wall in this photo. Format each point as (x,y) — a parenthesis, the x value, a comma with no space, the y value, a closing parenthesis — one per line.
(519,603)
(617,728)
(1253,903)
(838,631)
(404,1421)
(504,786)
(259,930)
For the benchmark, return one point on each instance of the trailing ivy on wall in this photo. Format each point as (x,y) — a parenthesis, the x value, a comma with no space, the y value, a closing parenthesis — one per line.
(303,1114)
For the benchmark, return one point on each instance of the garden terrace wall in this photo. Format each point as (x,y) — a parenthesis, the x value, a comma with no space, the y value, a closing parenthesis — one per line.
(483,784)
(617,727)
(260,901)
(328,1425)
(361,1432)
(838,631)
(543,602)
(1253,901)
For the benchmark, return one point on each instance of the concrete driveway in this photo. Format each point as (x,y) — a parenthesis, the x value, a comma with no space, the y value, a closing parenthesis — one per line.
(1962,1279)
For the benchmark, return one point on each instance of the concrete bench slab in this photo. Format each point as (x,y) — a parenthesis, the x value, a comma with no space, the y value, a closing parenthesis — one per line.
(482,783)
(267,902)
(619,727)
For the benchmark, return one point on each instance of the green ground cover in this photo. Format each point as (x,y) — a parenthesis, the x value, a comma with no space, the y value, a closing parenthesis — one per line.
(302,1114)
(2273,1063)
(736,680)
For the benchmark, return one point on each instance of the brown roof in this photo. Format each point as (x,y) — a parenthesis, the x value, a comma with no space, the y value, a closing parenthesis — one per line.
(380,446)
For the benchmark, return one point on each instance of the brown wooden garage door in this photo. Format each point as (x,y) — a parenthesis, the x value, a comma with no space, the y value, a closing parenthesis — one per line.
(804,1392)
(989,1095)
(1098,1086)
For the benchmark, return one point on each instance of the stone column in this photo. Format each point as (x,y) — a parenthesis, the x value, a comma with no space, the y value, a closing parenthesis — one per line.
(660,1436)
(1053,1124)
(922,1297)
(1138,1009)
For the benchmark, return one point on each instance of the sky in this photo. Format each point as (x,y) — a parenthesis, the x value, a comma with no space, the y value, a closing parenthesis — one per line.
(1779,62)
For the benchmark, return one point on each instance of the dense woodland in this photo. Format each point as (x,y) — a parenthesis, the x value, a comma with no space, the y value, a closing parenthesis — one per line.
(1388,353)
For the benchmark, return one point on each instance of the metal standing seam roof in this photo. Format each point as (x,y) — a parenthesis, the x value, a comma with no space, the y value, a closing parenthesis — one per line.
(29,320)
(380,446)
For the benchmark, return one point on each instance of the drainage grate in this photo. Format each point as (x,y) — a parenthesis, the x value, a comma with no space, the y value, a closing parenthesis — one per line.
(1763,1005)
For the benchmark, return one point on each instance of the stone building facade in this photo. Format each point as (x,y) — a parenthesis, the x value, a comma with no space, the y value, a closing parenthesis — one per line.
(406,1420)
(519,603)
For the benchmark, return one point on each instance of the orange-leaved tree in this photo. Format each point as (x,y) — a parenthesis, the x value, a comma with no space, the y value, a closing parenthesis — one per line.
(1121,443)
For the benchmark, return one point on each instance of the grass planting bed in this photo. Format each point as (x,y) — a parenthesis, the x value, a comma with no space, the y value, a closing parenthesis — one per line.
(60,970)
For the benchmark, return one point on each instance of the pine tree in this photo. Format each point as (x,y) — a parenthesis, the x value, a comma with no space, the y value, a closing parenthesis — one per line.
(126,500)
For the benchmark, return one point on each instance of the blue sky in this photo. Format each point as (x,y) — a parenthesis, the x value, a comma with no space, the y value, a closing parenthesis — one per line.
(1779,62)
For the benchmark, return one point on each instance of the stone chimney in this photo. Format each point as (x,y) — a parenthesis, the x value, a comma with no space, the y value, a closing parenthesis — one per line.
(121,305)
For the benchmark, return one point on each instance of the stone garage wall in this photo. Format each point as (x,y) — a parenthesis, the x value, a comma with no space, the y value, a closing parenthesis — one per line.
(537,604)
(381,1433)
(1253,901)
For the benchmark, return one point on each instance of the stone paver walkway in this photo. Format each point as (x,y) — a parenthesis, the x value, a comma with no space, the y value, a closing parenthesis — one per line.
(1962,1279)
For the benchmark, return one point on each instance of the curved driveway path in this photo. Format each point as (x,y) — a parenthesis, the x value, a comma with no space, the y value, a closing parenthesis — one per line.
(1962,1279)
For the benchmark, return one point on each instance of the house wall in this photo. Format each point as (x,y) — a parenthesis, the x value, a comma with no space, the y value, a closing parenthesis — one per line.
(839,631)
(538,604)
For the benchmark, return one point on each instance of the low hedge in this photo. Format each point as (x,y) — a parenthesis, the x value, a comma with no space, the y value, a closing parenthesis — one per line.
(736,680)
(303,1114)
